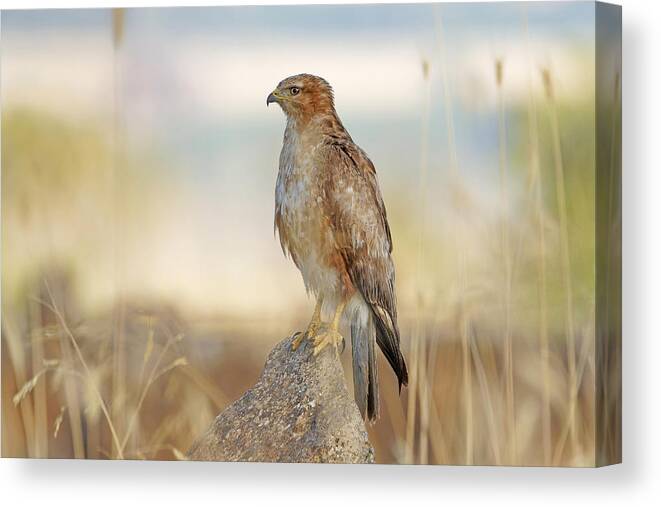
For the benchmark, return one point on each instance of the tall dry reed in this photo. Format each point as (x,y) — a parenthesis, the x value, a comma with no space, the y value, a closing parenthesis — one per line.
(561,202)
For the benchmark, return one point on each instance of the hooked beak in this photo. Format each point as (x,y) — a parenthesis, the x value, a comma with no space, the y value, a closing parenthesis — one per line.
(273,97)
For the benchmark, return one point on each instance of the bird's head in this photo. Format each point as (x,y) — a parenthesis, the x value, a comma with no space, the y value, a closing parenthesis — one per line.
(303,97)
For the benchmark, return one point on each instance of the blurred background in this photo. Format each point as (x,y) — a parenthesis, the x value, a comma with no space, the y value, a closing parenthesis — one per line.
(142,285)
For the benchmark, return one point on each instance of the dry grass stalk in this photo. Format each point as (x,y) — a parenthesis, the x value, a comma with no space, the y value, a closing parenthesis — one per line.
(73,402)
(507,261)
(462,275)
(416,386)
(19,361)
(58,421)
(536,183)
(27,388)
(561,201)
(88,374)
(153,376)
(118,25)
(119,387)
(487,399)
(606,435)
(39,393)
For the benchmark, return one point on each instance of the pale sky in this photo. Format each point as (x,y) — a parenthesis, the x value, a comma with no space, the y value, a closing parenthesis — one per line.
(192,84)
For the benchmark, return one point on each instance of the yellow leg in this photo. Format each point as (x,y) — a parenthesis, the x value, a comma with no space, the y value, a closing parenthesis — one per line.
(313,326)
(330,336)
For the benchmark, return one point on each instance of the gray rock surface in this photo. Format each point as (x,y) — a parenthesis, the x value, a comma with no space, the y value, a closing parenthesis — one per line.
(299,411)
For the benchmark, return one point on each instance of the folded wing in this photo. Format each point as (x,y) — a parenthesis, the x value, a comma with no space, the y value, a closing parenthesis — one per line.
(357,216)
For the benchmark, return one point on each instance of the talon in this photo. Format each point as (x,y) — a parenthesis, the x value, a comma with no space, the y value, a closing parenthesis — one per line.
(325,339)
(309,334)
(298,338)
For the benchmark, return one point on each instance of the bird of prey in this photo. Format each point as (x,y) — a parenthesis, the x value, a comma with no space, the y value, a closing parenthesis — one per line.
(331,221)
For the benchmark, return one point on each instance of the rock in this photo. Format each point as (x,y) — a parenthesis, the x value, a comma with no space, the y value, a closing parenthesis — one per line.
(299,411)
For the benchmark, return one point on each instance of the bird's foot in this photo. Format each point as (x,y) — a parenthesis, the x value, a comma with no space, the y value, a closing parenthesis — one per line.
(328,337)
(309,334)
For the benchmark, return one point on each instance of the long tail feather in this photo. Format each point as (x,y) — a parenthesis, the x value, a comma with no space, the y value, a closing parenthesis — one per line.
(365,374)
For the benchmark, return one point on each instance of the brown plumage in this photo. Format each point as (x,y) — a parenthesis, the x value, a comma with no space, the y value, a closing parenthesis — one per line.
(331,220)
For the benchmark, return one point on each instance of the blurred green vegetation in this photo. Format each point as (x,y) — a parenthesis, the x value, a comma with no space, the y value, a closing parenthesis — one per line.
(53,197)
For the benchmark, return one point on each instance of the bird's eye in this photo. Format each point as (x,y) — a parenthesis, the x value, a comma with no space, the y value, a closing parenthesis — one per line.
(294,90)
